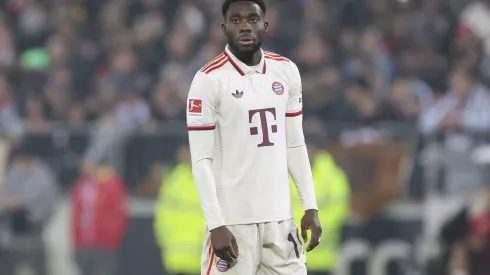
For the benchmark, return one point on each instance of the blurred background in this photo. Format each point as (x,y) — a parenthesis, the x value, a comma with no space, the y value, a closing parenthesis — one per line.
(93,156)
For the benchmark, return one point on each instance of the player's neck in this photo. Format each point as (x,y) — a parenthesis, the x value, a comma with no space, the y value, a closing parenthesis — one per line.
(249,59)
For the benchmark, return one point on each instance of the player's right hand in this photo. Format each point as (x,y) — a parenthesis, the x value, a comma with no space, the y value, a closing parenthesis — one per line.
(224,243)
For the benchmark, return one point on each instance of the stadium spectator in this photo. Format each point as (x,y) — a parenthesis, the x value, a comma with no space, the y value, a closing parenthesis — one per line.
(465,106)
(333,192)
(178,201)
(467,238)
(11,123)
(99,219)
(27,201)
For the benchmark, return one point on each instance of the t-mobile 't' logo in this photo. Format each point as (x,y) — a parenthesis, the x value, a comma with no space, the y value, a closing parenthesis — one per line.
(263,124)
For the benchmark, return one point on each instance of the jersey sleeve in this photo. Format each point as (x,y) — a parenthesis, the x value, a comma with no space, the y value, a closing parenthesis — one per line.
(294,111)
(295,100)
(202,103)
(297,155)
(202,106)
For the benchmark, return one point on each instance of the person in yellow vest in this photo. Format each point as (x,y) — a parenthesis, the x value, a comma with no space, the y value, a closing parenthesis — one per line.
(179,222)
(333,196)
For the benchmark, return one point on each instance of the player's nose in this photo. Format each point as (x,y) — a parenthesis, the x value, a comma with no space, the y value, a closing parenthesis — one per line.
(245,27)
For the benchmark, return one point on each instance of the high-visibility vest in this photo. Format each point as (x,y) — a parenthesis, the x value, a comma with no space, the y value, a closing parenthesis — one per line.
(179,222)
(333,197)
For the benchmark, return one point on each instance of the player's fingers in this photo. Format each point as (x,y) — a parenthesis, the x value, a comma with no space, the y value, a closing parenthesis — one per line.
(234,245)
(224,255)
(231,253)
(220,253)
(316,234)
(313,243)
(304,233)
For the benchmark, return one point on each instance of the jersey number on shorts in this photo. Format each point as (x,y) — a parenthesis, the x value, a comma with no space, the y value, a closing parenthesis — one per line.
(295,244)
(264,125)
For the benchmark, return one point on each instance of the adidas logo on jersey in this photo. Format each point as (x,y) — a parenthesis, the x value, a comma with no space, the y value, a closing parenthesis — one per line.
(237,94)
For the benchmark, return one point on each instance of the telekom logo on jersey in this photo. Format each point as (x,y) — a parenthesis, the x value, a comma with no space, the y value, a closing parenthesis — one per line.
(262,114)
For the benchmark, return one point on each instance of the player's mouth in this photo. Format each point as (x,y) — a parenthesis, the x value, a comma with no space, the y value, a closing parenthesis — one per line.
(248,40)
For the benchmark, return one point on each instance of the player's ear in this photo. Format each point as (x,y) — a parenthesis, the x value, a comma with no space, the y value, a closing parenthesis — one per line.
(223,28)
(266,25)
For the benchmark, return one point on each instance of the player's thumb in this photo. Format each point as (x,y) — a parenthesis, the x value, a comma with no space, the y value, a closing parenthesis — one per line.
(309,247)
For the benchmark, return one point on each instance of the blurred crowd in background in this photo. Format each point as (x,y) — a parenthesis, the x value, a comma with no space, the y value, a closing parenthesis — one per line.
(107,71)
(72,62)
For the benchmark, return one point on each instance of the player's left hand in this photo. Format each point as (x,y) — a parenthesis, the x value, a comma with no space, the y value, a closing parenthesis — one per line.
(311,222)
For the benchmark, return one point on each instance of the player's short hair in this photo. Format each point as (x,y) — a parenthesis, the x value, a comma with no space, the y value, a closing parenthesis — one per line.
(227,4)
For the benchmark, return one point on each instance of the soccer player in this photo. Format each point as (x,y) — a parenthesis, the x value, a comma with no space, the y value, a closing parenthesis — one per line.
(244,116)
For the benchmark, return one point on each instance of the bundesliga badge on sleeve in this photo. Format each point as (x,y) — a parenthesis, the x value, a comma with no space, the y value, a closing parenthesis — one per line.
(194,107)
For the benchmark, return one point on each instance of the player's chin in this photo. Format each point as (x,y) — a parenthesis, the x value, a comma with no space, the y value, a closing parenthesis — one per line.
(246,48)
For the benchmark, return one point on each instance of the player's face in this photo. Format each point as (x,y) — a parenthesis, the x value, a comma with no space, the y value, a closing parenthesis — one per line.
(244,26)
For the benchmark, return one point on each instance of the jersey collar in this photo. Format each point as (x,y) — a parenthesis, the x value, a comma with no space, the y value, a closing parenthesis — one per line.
(241,67)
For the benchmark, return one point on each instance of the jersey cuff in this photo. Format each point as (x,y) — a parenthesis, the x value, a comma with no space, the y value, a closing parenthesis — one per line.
(294,114)
(201,128)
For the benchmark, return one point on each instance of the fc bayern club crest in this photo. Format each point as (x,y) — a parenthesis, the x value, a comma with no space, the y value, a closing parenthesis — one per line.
(222,265)
(278,88)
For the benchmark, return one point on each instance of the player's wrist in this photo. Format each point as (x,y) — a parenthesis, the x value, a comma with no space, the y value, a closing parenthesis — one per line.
(310,204)
(217,228)
(313,211)
(214,226)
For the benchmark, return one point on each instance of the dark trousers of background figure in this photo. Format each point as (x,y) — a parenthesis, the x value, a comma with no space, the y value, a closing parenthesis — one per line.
(30,253)
(96,261)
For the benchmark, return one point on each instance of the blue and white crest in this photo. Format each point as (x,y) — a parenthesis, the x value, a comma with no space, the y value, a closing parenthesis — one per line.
(222,265)
(278,88)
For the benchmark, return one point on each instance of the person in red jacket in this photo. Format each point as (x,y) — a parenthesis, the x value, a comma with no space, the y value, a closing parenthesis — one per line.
(99,219)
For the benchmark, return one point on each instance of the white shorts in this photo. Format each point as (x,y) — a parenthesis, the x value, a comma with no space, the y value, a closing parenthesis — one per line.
(272,248)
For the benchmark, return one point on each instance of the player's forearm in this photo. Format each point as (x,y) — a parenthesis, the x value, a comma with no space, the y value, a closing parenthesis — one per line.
(206,189)
(300,169)
(299,163)
(201,145)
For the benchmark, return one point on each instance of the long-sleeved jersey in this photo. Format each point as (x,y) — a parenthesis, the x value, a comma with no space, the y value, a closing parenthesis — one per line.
(245,129)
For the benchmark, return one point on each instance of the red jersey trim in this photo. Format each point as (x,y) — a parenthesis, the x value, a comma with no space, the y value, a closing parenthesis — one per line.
(234,64)
(213,62)
(294,114)
(211,261)
(272,53)
(217,66)
(264,68)
(277,58)
(201,128)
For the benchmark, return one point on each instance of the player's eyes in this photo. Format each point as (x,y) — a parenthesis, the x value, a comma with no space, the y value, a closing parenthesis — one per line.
(254,20)
(235,21)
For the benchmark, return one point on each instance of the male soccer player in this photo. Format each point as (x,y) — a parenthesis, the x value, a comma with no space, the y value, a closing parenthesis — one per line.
(244,115)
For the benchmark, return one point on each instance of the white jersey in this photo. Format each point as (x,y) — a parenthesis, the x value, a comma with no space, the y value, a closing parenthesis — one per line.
(247,109)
